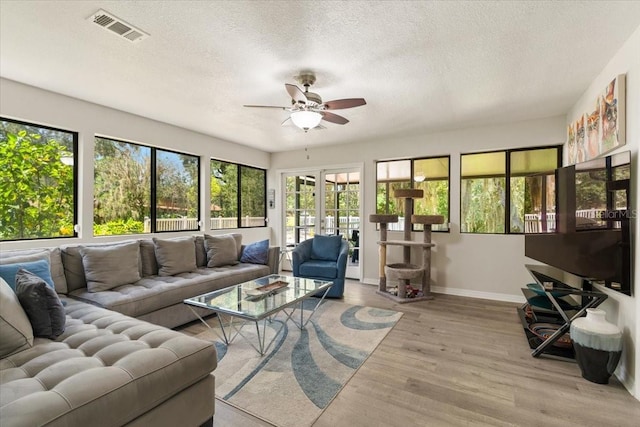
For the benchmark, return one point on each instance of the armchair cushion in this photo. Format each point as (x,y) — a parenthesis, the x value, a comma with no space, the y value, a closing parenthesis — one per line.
(319,268)
(326,248)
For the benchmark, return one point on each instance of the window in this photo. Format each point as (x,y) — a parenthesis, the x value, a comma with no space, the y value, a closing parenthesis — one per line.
(177,191)
(526,176)
(253,196)
(121,188)
(428,174)
(37,181)
(126,202)
(237,189)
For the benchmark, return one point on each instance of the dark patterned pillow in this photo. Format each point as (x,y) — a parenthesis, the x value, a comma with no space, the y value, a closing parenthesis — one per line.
(256,253)
(41,303)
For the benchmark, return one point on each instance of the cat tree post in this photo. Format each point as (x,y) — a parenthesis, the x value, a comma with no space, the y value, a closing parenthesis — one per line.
(383,220)
(427,221)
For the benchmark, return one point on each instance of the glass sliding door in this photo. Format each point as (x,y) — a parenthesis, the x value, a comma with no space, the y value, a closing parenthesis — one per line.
(341,212)
(323,202)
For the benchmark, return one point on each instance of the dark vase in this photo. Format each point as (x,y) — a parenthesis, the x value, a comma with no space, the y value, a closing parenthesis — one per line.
(598,346)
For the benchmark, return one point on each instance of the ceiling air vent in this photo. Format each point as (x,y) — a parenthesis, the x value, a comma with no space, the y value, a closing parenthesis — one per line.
(117,26)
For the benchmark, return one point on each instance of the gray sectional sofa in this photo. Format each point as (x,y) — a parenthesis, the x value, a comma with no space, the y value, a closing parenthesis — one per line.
(116,362)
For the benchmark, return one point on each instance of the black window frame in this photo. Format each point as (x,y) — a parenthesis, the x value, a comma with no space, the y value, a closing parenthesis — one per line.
(74,134)
(412,160)
(507,185)
(239,167)
(153,184)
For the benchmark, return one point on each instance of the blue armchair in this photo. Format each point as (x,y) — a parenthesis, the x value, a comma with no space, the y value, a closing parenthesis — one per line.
(322,258)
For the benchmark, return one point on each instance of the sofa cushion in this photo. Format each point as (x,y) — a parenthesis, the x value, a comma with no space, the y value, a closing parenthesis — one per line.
(158,292)
(175,256)
(105,369)
(110,266)
(52,255)
(256,253)
(325,247)
(73,266)
(201,252)
(41,303)
(221,250)
(16,333)
(319,268)
(40,268)
(148,258)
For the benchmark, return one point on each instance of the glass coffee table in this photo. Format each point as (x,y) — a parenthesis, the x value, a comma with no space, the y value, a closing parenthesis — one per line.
(259,302)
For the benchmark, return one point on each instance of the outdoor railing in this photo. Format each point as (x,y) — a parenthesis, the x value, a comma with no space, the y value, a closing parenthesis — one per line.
(178,224)
(533,222)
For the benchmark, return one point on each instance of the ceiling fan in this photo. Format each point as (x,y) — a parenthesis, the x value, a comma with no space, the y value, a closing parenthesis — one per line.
(307,108)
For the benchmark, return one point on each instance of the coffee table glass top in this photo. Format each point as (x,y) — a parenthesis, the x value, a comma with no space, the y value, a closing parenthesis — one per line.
(260,298)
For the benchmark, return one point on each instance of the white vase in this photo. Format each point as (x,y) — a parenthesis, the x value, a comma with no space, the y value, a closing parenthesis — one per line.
(598,345)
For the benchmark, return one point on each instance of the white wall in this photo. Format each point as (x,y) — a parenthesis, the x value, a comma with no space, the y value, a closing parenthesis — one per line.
(490,266)
(30,104)
(622,309)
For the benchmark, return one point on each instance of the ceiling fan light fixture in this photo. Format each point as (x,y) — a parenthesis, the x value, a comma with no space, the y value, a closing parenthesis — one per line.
(306,120)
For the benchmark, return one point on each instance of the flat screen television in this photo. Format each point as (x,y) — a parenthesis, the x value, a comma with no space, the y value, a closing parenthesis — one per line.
(592,237)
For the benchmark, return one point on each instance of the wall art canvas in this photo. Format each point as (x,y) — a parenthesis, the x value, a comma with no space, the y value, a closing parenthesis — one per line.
(571,143)
(601,130)
(593,132)
(581,149)
(612,111)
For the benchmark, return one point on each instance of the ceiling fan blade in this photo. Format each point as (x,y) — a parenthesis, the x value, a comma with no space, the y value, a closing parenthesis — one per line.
(339,104)
(287,122)
(296,94)
(266,106)
(333,118)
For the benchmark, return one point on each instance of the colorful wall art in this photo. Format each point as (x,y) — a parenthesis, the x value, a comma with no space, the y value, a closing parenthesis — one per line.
(601,130)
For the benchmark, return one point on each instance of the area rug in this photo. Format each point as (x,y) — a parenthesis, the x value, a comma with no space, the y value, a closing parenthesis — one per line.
(303,370)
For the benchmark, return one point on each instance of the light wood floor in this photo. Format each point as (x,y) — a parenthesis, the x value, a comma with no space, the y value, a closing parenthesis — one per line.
(458,361)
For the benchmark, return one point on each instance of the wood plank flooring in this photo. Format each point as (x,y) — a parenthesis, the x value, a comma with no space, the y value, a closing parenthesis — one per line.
(458,361)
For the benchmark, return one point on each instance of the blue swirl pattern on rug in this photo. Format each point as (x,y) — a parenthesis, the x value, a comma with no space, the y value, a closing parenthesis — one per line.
(346,355)
(265,360)
(348,318)
(317,386)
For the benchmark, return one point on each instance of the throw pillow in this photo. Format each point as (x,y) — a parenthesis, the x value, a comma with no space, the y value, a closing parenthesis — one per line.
(110,266)
(42,305)
(175,256)
(148,258)
(74,267)
(16,333)
(221,250)
(51,255)
(325,248)
(40,268)
(256,253)
(201,252)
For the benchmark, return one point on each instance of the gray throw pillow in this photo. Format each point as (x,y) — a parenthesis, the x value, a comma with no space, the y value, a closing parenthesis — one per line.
(110,266)
(16,333)
(42,305)
(221,250)
(175,256)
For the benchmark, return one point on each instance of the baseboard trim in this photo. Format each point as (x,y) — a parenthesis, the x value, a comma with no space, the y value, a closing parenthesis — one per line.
(466,293)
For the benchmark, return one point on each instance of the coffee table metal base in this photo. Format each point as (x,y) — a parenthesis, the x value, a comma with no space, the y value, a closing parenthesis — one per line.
(232,330)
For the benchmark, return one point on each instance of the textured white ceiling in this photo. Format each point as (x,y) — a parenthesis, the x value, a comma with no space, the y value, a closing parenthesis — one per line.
(421,66)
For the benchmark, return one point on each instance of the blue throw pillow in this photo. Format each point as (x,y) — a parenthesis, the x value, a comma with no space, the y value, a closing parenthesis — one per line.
(40,268)
(256,253)
(325,248)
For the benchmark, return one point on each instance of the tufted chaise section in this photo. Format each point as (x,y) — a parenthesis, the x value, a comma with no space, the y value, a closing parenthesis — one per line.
(106,369)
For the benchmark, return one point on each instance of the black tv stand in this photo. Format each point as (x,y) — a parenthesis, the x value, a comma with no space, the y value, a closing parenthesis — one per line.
(555,304)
